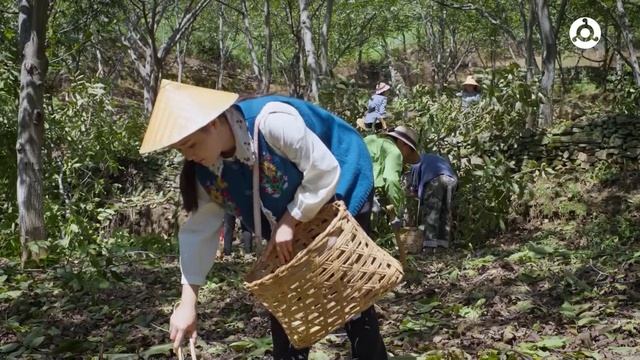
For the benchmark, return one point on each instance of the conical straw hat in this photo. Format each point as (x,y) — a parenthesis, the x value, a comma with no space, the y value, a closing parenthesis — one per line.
(180,110)
(470,81)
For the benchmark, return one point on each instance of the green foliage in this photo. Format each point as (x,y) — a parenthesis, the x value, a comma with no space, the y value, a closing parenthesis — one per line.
(625,94)
(255,347)
(83,35)
(9,87)
(478,143)
(557,199)
(343,97)
(606,232)
(90,145)
(89,158)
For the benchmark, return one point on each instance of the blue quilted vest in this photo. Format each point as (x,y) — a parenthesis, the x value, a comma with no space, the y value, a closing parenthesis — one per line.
(279,177)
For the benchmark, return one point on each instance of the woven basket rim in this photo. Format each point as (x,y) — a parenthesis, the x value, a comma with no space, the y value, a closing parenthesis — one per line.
(342,208)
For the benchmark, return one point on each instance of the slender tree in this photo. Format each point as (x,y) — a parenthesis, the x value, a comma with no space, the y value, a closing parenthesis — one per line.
(143,22)
(307,37)
(627,34)
(253,52)
(549,50)
(324,39)
(528,23)
(222,45)
(32,24)
(268,49)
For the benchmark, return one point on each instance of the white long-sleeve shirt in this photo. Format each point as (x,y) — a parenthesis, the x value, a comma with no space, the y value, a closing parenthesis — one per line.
(285,131)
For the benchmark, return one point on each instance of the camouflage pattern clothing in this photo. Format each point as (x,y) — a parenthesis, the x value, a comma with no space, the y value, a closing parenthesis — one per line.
(436,211)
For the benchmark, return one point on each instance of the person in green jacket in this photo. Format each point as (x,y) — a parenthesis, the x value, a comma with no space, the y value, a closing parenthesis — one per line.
(389,152)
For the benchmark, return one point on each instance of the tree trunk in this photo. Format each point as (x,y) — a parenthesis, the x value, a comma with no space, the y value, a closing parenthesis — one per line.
(222,46)
(628,38)
(560,16)
(266,84)
(324,39)
(295,65)
(307,36)
(359,66)
(440,61)
(431,44)
(397,82)
(179,54)
(548,62)
(142,26)
(100,71)
(246,29)
(151,76)
(32,23)
(178,47)
(607,56)
(619,59)
(527,25)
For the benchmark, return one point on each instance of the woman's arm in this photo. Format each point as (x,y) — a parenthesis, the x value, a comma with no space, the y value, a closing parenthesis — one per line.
(391,174)
(383,106)
(198,241)
(284,129)
(198,245)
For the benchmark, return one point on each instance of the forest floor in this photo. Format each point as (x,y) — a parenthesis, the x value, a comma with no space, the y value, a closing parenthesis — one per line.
(562,286)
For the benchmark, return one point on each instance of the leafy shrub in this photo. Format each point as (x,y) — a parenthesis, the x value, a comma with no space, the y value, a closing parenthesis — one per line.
(90,146)
(90,160)
(625,95)
(344,98)
(478,142)
(9,87)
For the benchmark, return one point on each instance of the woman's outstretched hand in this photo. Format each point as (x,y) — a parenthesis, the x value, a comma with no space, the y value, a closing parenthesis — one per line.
(183,322)
(282,238)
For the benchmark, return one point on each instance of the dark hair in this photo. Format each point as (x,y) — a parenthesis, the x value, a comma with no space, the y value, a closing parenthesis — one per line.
(188,189)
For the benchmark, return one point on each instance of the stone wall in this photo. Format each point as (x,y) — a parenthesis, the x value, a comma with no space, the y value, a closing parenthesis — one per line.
(614,139)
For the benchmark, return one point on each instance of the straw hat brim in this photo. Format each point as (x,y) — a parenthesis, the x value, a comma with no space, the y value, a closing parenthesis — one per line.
(470,82)
(383,89)
(414,157)
(181,110)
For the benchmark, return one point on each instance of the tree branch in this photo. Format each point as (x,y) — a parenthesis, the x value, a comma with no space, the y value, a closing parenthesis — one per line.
(350,44)
(485,14)
(560,16)
(229,6)
(187,20)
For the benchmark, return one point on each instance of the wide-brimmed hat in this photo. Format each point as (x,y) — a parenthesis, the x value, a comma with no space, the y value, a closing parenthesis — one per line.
(382,87)
(470,81)
(409,137)
(181,110)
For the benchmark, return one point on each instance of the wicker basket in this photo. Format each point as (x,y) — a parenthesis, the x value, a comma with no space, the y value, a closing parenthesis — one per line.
(337,272)
(412,238)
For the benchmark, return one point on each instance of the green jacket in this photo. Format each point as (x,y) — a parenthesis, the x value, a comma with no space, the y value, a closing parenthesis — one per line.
(387,167)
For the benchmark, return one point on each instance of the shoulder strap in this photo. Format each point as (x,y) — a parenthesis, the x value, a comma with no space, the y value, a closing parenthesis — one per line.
(257,214)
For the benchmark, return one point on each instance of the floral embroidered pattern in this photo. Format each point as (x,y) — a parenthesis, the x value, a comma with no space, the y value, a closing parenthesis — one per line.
(219,193)
(272,181)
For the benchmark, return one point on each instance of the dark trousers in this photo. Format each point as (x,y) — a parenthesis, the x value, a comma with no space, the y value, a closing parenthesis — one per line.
(363,332)
(375,126)
(437,210)
(229,230)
